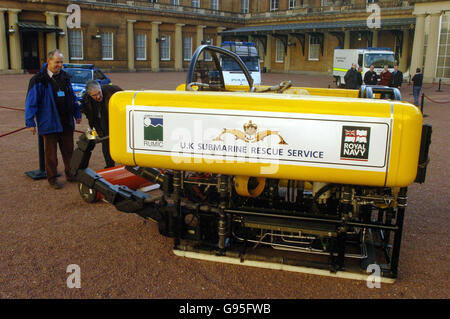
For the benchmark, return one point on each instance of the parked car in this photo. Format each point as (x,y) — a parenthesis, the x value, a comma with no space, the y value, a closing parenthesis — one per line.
(81,73)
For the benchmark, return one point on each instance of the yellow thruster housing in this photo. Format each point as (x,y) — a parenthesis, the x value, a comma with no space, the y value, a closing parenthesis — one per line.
(326,139)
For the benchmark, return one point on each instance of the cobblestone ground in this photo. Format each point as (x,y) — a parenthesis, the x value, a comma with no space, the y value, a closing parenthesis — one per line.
(42,231)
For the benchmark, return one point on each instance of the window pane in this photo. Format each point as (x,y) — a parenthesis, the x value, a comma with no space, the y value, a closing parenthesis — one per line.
(446,73)
(141,47)
(244,6)
(279,51)
(76,44)
(187,48)
(214,4)
(314,47)
(273,5)
(107,46)
(208,56)
(165,48)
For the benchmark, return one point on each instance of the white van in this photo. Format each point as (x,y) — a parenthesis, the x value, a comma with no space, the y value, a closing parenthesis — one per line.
(343,59)
(232,73)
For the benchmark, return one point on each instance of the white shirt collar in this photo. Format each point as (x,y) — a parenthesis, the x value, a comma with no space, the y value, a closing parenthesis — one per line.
(50,73)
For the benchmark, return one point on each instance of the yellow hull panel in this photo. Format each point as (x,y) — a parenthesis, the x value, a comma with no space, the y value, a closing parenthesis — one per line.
(403,120)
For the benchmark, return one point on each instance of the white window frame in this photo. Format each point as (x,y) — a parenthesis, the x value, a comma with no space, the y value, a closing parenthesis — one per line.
(215,5)
(145,47)
(175,2)
(208,56)
(310,45)
(279,51)
(185,49)
(160,48)
(112,46)
(81,44)
(274,5)
(244,6)
(292,4)
(195,3)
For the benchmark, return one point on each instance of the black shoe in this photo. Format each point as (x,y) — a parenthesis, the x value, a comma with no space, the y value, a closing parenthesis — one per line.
(71,179)
(55,185)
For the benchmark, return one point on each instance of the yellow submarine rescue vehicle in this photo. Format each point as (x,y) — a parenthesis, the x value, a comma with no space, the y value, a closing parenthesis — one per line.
(310,180)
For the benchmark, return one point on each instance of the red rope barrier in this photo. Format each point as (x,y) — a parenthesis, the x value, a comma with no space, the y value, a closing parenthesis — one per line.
(16,109)
(20,129)
(437,102)
(12,108)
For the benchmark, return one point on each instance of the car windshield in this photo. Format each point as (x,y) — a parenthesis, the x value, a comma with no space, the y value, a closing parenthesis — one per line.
(79,76)
(252,63)
(379,60)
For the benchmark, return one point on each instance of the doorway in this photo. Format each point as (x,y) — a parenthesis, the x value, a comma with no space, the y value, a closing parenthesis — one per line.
(30,47)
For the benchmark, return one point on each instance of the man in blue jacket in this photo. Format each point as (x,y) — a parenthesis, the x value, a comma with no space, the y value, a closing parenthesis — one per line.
(51,100)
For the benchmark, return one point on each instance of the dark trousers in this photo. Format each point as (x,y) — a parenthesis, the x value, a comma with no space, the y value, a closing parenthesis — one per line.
(416,93)
(105,148)
(65,141)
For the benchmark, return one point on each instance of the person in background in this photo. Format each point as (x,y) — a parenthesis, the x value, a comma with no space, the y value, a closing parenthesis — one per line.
(94,105)
(417,85)
(351,78)
(51,100)
(396,78)
(360,80)
(385,76)
(371,77)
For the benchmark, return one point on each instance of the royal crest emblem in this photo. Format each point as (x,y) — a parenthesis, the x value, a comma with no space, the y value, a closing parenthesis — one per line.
(250,134)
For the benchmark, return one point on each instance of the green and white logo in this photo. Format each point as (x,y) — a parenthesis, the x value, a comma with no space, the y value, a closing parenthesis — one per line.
(153,130)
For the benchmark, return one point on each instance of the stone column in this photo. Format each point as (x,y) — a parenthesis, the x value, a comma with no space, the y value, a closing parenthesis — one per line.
(403,63)
(3,47)
(51,36)
(155,47)
(347,40)
(418,45)
(200,39)
(200,34)
(375,38)
(14,40)
(179,47)
(130,45)
(287,58)
(219,36)
(63,41)
(268,56)
(429,70)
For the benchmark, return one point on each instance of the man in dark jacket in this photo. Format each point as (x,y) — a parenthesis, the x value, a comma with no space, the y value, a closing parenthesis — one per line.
(351,78)
(385,76)
(371,77)
(396,78)
(95,105)
(51,100)
(360,80)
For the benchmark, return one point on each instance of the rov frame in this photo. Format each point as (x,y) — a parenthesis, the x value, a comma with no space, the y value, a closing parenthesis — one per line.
(209,218)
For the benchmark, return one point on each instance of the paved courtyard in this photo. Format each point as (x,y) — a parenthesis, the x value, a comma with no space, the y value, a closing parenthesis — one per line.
(42,231)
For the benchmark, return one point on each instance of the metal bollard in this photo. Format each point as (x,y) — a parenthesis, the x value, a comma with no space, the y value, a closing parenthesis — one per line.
(39,173)
(439,87)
